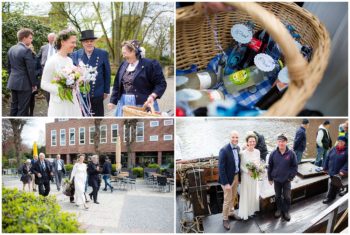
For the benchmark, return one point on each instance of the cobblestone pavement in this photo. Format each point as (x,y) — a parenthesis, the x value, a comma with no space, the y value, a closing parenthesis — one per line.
(140,210)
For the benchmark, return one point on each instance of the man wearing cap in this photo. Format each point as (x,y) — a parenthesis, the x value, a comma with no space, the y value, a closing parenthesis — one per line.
(336,165)
(95,57)
(300,140)
(229,170)
(282,169)
(323,142)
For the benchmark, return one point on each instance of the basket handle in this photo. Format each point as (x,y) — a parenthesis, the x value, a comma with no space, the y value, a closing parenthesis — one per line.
(151,106)
(296,63)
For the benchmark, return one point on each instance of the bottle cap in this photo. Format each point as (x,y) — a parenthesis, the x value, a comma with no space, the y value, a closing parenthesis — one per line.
(283,75)
(188,95)
(252,89)
(241,33)
(264,62)
(180,80)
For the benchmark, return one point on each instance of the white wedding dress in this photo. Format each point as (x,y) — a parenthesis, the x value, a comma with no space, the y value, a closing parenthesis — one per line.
(79,173)
(249,190)
(58,107)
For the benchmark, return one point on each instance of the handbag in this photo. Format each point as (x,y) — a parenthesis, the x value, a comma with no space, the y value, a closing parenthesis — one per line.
(68,188)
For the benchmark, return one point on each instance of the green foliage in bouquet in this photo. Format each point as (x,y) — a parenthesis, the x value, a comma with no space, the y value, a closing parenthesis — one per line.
(24,212)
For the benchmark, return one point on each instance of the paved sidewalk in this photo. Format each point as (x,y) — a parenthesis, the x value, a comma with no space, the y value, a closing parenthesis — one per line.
(124,211)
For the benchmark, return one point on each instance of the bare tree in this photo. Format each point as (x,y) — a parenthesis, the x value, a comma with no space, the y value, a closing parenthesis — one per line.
(97,122)
(17,127)
(130,131)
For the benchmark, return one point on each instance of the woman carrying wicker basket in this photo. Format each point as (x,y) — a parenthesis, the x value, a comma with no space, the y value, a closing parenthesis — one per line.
(138,82)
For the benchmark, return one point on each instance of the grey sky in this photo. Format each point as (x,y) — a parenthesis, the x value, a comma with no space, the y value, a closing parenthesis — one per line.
(35,131)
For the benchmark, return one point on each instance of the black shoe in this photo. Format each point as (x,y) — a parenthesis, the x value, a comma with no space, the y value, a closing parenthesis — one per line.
(327,201)
(226,224)
(34,190)
(342,193)
(286,216)
(96,202)
(90,196)
(72,202)
(112,190)
(277,213)
(104,189)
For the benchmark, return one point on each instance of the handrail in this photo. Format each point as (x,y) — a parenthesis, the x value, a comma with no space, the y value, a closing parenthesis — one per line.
(332,219)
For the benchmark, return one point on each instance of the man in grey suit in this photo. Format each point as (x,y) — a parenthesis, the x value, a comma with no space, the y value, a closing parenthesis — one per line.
(59,171)
(45,53)
(21,69)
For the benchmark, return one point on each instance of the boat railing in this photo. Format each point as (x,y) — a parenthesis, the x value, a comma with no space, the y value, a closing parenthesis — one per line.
(331,212)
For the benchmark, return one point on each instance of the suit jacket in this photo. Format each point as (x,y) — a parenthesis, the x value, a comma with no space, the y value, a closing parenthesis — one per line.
(46,174)
(227,165)
(93,173)
(149,78)
(100,59)
(21,68)
(55,166)
(43,53)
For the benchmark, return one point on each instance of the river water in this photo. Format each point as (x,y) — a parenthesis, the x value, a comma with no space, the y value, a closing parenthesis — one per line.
(203,137)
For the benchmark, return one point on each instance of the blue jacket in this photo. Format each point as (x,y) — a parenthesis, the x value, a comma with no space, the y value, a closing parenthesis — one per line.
(282,167)
(300,140)
(227,165)
(335,163)
(99,58)
(149,78)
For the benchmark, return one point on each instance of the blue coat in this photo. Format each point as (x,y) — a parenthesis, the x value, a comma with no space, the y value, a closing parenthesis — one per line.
(335,163)
(300,140)
(99,58)
(149,78)
(282,167)
(227,165)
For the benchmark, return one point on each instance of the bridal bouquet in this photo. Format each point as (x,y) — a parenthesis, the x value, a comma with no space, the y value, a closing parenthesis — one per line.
(257,169)
(69,78)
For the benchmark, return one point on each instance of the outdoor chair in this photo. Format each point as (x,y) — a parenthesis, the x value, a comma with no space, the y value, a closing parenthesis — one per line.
(161,183)
(132,181)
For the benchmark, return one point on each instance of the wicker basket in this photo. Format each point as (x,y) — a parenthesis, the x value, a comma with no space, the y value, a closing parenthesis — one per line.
(133,111)
(195,44)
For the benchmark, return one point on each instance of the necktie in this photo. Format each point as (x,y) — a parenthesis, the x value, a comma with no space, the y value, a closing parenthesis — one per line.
(43,165)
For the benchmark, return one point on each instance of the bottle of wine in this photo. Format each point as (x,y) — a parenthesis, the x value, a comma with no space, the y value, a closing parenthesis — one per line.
(197,80)
(199,98)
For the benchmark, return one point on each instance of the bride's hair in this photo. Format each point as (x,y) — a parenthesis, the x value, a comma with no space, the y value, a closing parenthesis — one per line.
(251,135)
(64,35)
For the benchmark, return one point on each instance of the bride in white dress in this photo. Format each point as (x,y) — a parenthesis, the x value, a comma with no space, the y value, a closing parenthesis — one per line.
(66,42)
(79,173)
(249,190)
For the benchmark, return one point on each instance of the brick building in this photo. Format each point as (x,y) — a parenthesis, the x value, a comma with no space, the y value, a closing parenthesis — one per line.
(152,140)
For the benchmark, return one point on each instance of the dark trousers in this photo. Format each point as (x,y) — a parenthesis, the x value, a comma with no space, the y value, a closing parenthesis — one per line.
(97,107)
(332,191)
(94,192)
(107,181)
(32,104)
(20,103)
(44,188)
(58,179)
(283,195)
(47,97)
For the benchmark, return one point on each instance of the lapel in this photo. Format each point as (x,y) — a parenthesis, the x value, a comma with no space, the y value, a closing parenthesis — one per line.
(122,71)
(139,68)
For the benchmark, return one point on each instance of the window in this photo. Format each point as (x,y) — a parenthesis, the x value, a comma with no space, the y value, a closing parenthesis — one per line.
(153,138)
(53,138)
(81,135)
(169,122)
(71,136)
(91,135)
(125,133)
(62,119)
(63,137)
(114,133)
(124,127)
(103,134)
(140,132)
(168,137)
(154,123)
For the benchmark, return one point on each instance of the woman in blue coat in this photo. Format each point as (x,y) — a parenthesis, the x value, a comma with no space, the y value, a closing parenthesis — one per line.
(139,81)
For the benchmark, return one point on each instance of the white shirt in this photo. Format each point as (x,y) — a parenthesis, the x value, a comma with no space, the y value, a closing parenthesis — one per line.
(132,67)
(51,51)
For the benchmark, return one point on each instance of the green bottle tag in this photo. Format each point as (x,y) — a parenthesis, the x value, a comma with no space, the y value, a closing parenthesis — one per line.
(240,77)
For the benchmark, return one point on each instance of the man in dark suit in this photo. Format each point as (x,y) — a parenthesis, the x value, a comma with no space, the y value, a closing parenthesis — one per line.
(95,57)
(229,170)
(59,171)
(43,174)
(45,53)
(93,171)
(21,68)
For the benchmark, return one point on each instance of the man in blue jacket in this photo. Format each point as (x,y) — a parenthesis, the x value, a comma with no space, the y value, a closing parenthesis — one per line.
(229,170)
(96,58)
(299,145)
(282,169)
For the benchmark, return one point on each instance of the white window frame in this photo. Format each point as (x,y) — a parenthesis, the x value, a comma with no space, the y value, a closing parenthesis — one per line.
(166,137)
(82,128)
(53,133)
(63,143)
(105,141)
(62,119)
(114,139)
(169,122)
(70,131)
(91,141)
(140,138)
(153,138)
(154,123)
(124,132)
